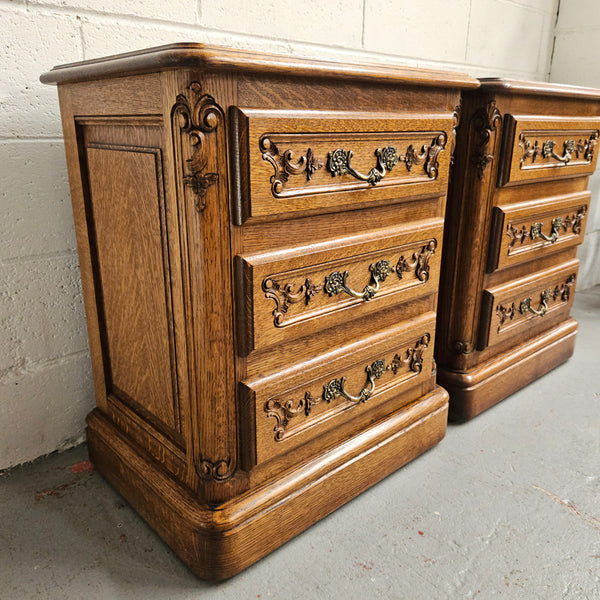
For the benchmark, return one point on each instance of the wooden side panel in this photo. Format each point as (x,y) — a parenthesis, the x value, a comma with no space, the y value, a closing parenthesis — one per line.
(127,211)
(529,230)
(538,148)
(291,161)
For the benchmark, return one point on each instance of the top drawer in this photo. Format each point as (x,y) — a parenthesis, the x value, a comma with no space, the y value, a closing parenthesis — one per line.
(539,148)
(290,161)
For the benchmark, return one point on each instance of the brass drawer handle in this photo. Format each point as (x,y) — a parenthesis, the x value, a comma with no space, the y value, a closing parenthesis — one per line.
(536,230)
(548,151)
(541,311)
(339,164)
(335,387)
(335,283)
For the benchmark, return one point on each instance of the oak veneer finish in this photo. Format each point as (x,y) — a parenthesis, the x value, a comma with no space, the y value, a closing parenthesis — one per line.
(261,316)
(517,208)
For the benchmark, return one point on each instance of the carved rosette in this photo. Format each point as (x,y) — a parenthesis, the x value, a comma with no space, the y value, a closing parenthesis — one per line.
(194,115)
(409,361)
(485,123)
(462,347)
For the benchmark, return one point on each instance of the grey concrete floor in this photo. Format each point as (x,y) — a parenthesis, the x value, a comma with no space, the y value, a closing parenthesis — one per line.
(507,505)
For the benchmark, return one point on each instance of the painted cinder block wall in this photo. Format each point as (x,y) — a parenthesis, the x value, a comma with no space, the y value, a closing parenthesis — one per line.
(45,374)
(577,61)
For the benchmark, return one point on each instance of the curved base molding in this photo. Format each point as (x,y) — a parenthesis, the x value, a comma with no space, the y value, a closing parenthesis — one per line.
(218,542)
(472,392)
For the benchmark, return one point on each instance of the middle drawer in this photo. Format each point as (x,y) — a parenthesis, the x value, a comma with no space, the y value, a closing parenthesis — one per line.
(297,291)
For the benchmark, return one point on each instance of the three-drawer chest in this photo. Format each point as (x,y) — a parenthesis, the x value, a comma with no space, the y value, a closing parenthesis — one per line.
(517,209)
(260,244)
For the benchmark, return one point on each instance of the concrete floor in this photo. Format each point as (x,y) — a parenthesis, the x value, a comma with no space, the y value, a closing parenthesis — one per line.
(507,505)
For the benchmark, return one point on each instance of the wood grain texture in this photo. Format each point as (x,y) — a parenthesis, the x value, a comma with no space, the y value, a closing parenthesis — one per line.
(247,386)
(214,58)
(127,223)
(285,159)
(516,211)
(293,293)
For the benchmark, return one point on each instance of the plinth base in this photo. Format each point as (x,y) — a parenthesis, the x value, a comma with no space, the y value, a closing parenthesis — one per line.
(218,542)
(472,392)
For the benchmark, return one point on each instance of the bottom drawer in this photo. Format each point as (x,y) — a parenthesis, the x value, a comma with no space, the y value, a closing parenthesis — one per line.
(513,308)
(286,410)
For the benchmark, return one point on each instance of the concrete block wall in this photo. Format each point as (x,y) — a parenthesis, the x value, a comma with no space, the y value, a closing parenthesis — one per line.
(577,61)
(45,376)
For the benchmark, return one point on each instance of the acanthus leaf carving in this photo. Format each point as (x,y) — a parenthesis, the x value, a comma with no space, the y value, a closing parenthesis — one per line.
(485,121)
(455,123)
(196,114)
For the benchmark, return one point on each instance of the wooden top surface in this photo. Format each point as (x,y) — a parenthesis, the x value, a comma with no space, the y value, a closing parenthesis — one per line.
(213,58)
(538,88)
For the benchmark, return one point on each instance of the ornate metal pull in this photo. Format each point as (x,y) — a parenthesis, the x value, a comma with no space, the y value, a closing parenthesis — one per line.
(536,230)
(339,164)
(548,151)
(336,282)
(541,311)
(335,387)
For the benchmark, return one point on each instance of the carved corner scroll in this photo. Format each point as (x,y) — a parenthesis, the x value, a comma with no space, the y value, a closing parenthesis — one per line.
(409,361)
(485,123)
(220,470)
(195,115)
(455,124)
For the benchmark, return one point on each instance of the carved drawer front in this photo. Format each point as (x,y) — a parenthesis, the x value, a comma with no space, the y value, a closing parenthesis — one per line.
(529,230)
(510,309)
(298,291)
(536,148)
(329,161)
(282,412)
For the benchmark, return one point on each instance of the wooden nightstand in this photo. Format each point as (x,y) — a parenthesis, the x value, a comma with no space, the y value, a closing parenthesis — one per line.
(517,208)
(260,246)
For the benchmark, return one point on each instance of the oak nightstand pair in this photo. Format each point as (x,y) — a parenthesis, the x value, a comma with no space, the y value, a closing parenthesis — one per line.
(260,241)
